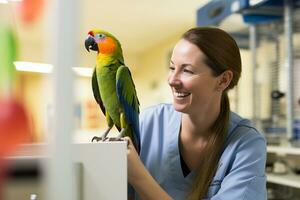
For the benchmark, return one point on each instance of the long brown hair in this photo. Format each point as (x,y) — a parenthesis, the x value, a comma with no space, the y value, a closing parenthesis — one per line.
(222,53)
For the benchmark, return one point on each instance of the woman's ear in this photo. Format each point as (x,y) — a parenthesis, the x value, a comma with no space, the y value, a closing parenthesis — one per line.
(224,80)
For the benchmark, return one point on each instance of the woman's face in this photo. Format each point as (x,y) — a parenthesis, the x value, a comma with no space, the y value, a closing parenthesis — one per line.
(192,82)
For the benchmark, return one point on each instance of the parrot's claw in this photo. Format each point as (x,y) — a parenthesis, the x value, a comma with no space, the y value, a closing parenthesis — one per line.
(116,139)
(109,139)
(97,139)
(103,137)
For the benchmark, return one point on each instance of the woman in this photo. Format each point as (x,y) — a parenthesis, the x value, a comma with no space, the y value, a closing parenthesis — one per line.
(196,148)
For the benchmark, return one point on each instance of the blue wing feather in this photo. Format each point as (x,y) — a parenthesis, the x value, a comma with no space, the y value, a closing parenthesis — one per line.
(128,98)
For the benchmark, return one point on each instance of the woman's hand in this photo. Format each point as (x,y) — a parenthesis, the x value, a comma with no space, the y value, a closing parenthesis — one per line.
(140,178)
(135,167)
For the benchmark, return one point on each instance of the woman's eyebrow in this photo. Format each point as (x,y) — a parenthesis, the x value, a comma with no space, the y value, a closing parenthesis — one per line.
(183,65)
(187,64)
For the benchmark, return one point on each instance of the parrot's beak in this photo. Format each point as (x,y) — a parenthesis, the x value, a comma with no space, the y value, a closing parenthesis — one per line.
(90,43)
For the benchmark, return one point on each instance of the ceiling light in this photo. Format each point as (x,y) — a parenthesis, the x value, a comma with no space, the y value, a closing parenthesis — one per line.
(33,67)
(47,68)
(6,1)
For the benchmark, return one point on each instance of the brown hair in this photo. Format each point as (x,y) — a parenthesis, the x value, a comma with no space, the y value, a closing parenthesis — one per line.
(222,53)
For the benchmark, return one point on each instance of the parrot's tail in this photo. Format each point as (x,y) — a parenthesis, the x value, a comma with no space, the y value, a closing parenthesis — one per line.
(135,138)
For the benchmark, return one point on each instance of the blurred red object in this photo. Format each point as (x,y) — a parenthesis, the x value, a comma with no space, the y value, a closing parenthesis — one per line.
(30,10)
(14,126)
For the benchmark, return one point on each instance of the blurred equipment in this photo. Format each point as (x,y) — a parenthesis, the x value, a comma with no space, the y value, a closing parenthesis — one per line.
(14,123)
(275,130)
(280,167)
(268,19)
(33,197)
(253,11)
(31,10)
(278,192)
(24,178)
(296,99)
(8,54)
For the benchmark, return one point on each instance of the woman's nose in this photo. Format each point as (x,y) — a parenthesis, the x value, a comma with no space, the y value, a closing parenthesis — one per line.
(174,79)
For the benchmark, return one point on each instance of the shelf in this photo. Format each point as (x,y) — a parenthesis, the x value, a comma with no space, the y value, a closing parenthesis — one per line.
(104,163)
(291,180)
(29,152)
(283,150)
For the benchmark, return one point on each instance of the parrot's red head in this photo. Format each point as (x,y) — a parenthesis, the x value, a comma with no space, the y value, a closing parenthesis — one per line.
(102,42)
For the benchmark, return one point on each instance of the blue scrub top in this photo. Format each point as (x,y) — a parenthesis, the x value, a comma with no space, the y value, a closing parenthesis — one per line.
(241,171)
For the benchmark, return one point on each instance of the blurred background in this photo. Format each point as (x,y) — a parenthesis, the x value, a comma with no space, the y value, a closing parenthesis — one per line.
(267,32)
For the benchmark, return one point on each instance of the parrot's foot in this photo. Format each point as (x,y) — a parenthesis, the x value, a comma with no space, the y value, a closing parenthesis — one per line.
(120,139)
(97,139)
(103,137)
(111,139)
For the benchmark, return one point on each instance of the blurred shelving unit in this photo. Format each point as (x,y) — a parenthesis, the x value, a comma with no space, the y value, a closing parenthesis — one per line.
(257,14)
(283,150)
(290,180)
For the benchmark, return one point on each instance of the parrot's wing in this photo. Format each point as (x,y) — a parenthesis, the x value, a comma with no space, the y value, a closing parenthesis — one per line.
(128,98)
(96,91)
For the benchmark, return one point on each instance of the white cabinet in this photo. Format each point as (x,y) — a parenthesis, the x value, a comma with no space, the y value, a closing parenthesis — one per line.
(100,170)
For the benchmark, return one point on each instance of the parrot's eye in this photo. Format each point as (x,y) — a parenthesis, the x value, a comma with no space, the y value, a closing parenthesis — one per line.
(101,36)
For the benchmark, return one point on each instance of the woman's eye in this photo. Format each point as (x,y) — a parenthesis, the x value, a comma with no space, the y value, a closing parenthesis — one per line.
(188,71)
(172,68)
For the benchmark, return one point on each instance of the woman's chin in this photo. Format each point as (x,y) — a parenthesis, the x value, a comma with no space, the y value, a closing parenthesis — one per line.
(180,107)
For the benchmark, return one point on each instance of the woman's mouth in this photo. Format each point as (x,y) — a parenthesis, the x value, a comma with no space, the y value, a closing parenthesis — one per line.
(181,94)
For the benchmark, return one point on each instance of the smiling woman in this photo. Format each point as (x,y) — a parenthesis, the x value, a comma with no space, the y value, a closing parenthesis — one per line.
(191,80)
(197,148)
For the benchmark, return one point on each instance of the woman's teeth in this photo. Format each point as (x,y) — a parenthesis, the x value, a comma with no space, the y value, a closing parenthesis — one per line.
(181,94)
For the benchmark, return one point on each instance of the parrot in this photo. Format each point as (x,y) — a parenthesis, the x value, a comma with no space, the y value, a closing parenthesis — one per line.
(113,87)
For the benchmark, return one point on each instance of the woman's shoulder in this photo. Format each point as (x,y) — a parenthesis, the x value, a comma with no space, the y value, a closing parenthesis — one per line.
(244,136)
(244,145)
(242,128)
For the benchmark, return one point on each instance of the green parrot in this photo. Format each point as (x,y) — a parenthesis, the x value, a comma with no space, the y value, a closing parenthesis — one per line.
(113,87)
